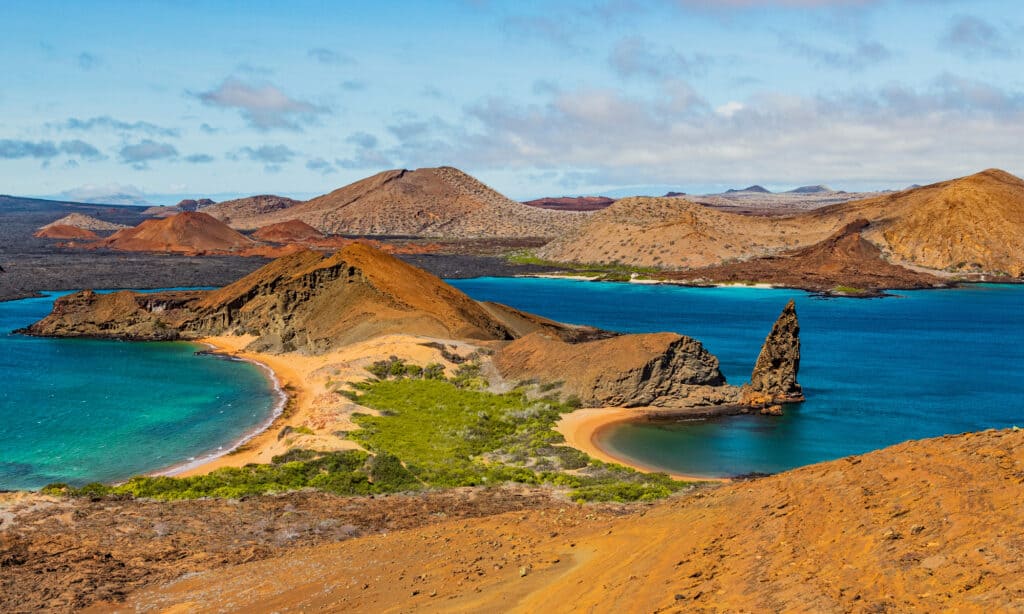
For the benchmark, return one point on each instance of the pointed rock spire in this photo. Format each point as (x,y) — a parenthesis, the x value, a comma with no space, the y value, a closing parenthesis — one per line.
(774,377)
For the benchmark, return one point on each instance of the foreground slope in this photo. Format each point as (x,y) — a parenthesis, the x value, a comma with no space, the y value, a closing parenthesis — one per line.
(928,525)
(427,202)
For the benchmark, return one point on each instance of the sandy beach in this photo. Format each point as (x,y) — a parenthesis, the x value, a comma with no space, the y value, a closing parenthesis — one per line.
(314,411)
(581,428)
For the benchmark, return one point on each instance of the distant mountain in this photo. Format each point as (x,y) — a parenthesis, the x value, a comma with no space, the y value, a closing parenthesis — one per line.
(571,203)
(810,189)
(754,188)
(190,204)
(243,212)
(439,202)
(674,194)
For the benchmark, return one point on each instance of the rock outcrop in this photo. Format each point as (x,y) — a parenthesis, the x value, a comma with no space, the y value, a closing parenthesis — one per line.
(658,369)
(774,379)
(118,315)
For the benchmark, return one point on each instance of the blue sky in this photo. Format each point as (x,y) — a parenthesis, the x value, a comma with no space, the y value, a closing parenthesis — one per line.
(159,99)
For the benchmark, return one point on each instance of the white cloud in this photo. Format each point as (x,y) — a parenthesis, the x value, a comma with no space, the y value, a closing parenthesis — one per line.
(264,106)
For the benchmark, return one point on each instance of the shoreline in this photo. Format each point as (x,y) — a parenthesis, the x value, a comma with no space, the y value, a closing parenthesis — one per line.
(261,443)
(189,466)
(582,427)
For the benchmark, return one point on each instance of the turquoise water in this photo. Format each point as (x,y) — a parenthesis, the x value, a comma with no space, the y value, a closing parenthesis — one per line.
(82,410)
(875,372)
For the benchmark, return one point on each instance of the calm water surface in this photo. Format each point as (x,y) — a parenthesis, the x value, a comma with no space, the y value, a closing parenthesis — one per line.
(82,410)
(875,372)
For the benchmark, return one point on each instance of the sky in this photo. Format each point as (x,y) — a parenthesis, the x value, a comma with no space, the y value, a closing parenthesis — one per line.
(151,101)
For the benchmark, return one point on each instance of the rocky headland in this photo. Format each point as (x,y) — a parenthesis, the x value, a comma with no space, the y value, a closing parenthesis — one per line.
(312,304)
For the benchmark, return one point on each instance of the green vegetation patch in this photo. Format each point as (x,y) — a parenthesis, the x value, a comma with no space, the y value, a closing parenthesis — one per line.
(605,271)
(432,432)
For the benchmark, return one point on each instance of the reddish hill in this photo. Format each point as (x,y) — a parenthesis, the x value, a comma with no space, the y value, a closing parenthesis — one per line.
(62,231)
(191,232)
(292,231)
(572,203)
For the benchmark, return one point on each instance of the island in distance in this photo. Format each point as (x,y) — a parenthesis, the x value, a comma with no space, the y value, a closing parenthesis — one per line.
(453,225)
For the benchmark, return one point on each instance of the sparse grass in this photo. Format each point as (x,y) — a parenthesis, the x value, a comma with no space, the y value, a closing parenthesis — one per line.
(848,290)
(432,433)
(614,271)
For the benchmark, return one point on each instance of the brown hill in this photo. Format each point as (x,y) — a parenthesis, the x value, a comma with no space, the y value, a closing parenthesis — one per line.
(88,222)
(845,261)
(428,202)
(312,302)
(241,213)
(292,231)
(924,526)
(572,203)
(304,301)
(190,232)
(676,233)
(60,231)
(971,224)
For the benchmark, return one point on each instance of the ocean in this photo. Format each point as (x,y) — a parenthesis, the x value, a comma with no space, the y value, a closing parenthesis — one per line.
(84,410)
(875,371)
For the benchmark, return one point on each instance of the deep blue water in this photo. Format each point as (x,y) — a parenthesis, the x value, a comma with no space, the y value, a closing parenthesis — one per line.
(875,372)
(82,410)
